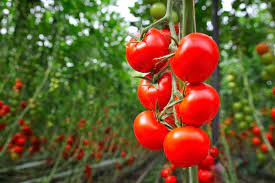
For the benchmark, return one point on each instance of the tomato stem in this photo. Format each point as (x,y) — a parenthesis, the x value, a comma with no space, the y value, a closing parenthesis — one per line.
(187,17)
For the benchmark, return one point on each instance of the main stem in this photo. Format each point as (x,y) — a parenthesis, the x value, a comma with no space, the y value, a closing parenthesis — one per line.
(187,28)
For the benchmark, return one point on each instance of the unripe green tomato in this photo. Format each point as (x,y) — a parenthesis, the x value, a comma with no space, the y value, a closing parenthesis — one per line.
(244,102)
(247,109)
(248,119)
(232,85)
(230,77)
(238,116)
(237,106)
(270,69)
(158,10)
(243,125)
(175,17)
(267,58)
(261,156)
(265,75)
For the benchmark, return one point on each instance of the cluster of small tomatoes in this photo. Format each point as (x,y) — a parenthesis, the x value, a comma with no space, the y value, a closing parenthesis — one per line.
(268,59)
(25,140)
(174,115)
(167,174)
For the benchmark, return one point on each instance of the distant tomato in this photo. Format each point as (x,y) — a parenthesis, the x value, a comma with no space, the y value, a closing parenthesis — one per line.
(273,90)
(196,58)
(207,163)
(262,48)
(171,179)
(264,148)
(142,55)
(205,176)
(148,131)
(200,104)
(186,146)
(166,172)
(269,136)
(273,114)
(256,130)
(214,151)
(150,93)
(256,141)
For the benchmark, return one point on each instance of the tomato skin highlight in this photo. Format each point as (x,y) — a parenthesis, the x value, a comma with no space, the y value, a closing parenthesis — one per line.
(141,56)
(186,146)
(196,58)
(148,131)
(199,106)
(151,95)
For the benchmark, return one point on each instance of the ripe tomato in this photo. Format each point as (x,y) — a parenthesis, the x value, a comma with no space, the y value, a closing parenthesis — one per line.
(158,10)
(200,104)
(186,146)
(256,141)
(207,163)
(264,148)
(166,172)
(148,131)
(205,176)
(269,136)
(273,114)
(262,48)
(167,34)
(214,151)
(256,130)
(150,94)
(273,90)
(141,56)
(171,179)
(196,58)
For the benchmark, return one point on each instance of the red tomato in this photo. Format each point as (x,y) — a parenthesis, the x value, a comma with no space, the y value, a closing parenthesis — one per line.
(166,172)
(205,176)
(159,92)
(262,48)
(141,56)
(148,131)
(170,120)
(196,58)
(167,34)
(171,179)
(123,154)
(207,163)
(264,148)
(273,90)
(214,151)
(269,136)
(200,104)
(256,130)
(256,141)
(273,114)
(186,146)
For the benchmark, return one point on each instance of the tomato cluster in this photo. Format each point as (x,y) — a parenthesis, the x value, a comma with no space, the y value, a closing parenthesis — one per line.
(195,104)
(167,174)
